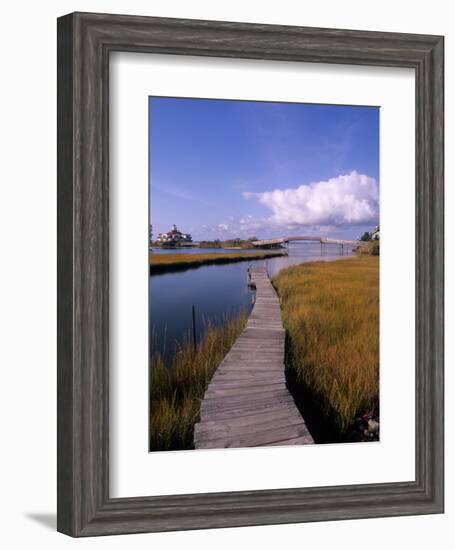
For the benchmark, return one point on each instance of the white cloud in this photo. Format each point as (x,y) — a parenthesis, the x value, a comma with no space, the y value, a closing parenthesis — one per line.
(347,199)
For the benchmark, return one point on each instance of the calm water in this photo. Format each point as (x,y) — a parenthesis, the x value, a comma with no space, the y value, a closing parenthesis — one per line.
(217,292)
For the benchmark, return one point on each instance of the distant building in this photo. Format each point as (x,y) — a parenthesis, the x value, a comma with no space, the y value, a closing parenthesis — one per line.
(375,233)
(174,237)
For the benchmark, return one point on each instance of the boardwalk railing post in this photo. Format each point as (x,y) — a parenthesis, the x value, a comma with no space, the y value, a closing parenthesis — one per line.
(194,327)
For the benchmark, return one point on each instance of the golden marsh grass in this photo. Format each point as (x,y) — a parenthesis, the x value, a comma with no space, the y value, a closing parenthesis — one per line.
(331,314)
(168,262)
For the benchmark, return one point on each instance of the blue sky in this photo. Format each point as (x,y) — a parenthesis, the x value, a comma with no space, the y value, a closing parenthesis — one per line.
(226,169)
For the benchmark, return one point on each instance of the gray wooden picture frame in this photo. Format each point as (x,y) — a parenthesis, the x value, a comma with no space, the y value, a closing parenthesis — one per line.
(84,44)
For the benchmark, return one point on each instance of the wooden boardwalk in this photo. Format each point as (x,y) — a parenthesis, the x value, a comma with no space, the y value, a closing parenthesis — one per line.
(247,403)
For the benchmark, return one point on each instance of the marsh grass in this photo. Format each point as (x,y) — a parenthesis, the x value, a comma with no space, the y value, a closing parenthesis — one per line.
(372,248)
(176,392)
(331,315)
(160,263)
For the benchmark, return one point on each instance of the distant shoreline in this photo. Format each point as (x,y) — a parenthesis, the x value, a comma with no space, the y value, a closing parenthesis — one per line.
(161,263)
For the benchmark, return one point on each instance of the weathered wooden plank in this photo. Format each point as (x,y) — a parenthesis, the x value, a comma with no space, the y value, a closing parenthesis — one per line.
(257,356)
(261,335)
(245,376)
(265,437)
(289,416)
(252,358)
(247,402)
(254,354)
(269,371)
(236,368)
(240,391)
(249,382)
(245,385)
(276,425)
(215,416)
(231,402)
(271,344)
(264,326)
(271,340)
(254,369)
(266,366)
(267,356)
(242,386)
(241,357)
(266,351)
(239,361)
(257,324)
(227,405)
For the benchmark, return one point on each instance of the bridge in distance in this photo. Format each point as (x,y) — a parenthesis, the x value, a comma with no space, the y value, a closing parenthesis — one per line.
(274,243)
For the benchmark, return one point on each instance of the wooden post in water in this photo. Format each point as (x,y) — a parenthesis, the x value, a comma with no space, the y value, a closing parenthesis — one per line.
(194,327)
